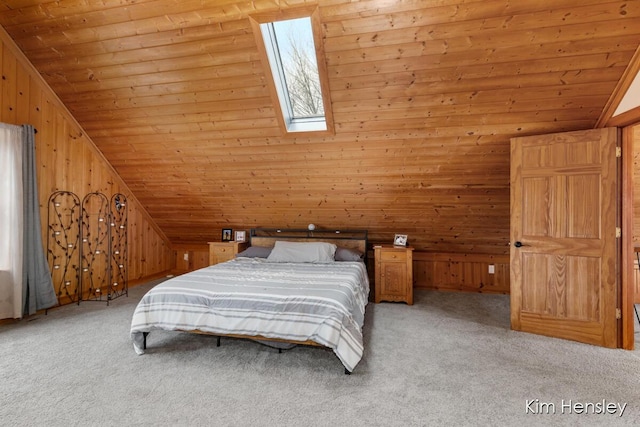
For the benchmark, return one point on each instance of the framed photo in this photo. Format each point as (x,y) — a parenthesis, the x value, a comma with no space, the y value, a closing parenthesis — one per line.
(227,234)
(240,236)
(400,240)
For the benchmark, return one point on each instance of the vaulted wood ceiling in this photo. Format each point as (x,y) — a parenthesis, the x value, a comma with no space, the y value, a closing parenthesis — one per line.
(425,96)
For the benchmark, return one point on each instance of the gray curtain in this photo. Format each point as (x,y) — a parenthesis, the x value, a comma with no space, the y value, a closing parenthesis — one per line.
(37,291)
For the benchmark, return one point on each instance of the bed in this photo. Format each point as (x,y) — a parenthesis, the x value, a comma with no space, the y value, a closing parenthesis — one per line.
(289,286)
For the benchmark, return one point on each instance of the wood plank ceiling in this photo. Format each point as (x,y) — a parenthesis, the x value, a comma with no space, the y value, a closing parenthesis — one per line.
(425,95)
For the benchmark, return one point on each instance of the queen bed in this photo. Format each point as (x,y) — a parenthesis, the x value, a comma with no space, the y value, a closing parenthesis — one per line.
(292,286)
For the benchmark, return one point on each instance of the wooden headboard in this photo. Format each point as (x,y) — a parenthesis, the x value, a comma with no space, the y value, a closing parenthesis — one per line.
(352,239)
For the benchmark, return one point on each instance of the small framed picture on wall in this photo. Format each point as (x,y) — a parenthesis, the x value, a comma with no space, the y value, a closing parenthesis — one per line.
(400,240)
(240,236)
(227,234)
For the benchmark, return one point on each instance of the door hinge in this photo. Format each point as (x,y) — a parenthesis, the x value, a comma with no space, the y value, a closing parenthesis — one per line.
(618,232)
(618,313)
(618,151)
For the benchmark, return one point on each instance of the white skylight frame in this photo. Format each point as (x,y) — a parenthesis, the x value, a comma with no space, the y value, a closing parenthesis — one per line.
(272,46)
(268,47)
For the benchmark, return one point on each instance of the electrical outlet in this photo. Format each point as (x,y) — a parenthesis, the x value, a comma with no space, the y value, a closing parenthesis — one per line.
(492,269)
(186,256)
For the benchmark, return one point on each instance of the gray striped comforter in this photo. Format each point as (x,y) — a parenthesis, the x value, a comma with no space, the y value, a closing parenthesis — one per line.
(324,303)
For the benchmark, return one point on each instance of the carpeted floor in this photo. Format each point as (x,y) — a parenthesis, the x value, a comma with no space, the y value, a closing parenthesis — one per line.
(450,359)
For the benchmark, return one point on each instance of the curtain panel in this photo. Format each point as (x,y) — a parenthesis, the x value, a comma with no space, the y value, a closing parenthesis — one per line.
(37,286)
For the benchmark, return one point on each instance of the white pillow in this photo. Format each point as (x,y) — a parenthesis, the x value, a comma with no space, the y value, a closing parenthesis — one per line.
(317,252)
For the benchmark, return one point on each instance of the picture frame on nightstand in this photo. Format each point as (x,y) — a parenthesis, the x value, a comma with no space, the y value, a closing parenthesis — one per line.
(227,234)
(241,236)
(400,240)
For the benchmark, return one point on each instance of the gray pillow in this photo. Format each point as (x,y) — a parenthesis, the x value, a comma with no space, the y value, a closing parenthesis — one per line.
(255,252)
(346,254)
(316,252)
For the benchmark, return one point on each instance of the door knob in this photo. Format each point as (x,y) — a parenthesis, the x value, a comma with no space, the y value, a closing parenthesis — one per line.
(518,244)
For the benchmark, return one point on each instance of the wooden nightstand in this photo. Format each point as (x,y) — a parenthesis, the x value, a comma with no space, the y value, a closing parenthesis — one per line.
(225,251)
(394,274)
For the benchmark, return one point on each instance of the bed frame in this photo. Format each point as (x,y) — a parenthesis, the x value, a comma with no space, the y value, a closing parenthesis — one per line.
(267,237)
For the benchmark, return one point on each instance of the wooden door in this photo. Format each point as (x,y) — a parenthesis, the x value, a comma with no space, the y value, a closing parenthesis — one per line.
(564,249)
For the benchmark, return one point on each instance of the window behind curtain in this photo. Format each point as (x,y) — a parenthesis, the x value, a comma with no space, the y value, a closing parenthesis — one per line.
(11,221)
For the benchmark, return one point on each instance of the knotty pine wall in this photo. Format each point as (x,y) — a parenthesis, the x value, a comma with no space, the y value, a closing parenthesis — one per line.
(68,160)
(461,272)
(425,98)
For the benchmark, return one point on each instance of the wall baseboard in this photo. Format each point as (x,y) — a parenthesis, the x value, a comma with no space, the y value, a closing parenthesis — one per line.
(147,279)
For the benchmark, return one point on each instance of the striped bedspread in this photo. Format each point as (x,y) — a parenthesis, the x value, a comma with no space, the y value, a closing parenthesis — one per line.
(324,303)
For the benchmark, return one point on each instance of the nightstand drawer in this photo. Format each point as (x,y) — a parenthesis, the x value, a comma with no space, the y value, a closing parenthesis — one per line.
(225,251)
(393,255)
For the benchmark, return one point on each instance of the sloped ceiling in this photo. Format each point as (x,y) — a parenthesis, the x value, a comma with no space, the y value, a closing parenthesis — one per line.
(425,96)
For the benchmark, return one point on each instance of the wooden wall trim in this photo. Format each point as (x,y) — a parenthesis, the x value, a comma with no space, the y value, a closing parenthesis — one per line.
(22,59)
(625,119)
(620,90)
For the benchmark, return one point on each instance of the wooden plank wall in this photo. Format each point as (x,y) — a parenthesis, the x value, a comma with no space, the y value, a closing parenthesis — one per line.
(69,161)
(461,272)
(425,97)
(456,272)
(189,257)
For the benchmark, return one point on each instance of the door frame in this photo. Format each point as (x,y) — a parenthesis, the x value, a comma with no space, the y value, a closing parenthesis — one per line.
(625,121)
(627,296)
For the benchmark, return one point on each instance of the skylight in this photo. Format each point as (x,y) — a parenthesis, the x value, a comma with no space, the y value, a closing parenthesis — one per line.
(293,58)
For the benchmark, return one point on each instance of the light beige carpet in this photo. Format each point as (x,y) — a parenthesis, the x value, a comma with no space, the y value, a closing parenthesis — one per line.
(450,359)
